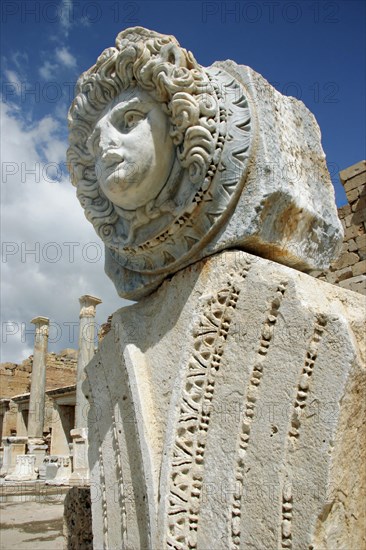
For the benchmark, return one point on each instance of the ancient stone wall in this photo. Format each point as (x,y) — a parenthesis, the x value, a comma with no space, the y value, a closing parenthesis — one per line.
(14,379)
(105,328)
(349,271)
(8,419)
(61,371)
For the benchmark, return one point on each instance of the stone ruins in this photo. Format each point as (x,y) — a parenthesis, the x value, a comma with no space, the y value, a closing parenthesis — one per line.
(349,270)
(44,433)
(225,409)
(225,406)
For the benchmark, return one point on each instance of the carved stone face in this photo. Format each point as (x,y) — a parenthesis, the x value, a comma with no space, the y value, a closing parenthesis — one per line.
(133,151)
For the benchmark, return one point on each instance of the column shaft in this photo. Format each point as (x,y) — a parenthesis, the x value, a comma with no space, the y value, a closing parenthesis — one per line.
(38,380)
(86,352)
(79,434)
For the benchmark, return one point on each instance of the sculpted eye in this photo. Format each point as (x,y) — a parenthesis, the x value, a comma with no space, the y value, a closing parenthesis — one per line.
(132,118)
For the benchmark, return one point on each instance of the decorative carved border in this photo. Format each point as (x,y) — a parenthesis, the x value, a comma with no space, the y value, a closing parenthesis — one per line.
(210,334)
(303,389)
(212,204)
(251,396)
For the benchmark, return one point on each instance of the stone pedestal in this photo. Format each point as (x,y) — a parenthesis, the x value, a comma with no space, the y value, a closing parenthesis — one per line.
(25,469)
(13,446)
(80,474)
(49,468)
(58,470)
(227,413)
(79,435)
(39,451)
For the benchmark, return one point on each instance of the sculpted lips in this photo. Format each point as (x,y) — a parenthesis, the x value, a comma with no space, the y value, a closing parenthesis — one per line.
(110,158)
(111,161)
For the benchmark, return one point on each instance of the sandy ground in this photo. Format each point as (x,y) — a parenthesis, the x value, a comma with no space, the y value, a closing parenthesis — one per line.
(31,525)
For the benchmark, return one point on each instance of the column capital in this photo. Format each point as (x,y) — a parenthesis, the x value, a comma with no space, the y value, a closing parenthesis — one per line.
(88,305)
(42,324)
(40,321)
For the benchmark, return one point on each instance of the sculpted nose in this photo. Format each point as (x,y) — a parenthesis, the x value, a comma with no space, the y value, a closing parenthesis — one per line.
(109,137)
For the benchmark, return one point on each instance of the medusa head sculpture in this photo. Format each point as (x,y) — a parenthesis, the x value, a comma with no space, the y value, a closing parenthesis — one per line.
(158,148)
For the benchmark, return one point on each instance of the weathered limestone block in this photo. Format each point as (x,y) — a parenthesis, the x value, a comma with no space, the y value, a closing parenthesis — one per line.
(39,451)
(49,468)
(77,519)
(80,474)
(13,446)
(349,270)
(174,162)
(58,469)
(226,412)
(25,469)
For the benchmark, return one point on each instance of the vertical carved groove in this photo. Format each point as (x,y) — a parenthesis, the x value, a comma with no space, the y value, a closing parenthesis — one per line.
(117,461)
(305,378)
(300,402)
(210,334)
(248,415)
(102,475)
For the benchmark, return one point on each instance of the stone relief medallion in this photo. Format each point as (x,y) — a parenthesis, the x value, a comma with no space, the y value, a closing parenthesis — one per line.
(213,198)
(159,149)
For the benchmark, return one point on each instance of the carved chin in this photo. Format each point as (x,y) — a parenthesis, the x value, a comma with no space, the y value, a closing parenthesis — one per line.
(126,190)
(117,182)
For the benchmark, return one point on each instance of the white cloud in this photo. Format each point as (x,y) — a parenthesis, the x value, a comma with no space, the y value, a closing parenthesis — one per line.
(20,60)
(14,79)
(85,21)
(66,18)
(66,58)
(47,71)
(42,272)
(62,108)
(61,59)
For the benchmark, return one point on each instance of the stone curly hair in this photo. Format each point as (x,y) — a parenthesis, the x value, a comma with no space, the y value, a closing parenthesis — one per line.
(155,63)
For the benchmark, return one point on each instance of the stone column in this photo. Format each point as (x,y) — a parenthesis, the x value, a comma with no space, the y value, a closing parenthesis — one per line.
(38,381)
(86,351)
(36,444)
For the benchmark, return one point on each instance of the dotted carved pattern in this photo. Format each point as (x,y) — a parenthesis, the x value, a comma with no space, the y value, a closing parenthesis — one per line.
(103,489)
(299,405)
(210,334)
(248,415)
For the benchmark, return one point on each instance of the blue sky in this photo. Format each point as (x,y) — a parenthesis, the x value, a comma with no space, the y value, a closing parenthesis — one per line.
(313,50)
